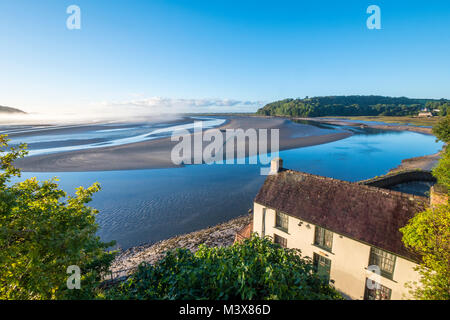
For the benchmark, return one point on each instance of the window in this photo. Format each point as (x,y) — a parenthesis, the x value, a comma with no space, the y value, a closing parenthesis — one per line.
(280,240)
(323,238)
(281,221)
(322,266)
(378,291)
(384,260)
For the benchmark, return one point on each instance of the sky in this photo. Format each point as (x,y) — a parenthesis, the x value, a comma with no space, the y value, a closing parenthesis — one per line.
(217,55)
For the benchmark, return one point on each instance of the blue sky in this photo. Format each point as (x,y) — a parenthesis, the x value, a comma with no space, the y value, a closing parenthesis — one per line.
(200,53)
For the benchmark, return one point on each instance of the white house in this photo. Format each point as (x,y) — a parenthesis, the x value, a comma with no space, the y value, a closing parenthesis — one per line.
(349,230)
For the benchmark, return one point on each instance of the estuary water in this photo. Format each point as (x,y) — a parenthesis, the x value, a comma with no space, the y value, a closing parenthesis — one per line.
(145,206)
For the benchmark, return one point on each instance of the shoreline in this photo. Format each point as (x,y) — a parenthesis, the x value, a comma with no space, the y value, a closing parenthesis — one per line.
(393,127)
(425,163)
(219,235)
(156,154)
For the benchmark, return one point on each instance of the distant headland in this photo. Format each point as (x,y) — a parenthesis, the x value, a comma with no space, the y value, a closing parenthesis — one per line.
(4,109)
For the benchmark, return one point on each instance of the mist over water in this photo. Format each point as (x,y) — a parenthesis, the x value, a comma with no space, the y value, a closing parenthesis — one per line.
(79,118)
(153,109)
(43,141)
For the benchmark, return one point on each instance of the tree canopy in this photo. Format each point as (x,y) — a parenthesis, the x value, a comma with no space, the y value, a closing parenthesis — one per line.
(42,233)
(442,171)
(353,106)
(442,129)
(428,233)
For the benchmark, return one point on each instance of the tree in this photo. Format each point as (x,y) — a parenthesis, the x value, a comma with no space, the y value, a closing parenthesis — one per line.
(253,269)
(42,233)
(442,129)
(442,170)
(351,106)
(428,234)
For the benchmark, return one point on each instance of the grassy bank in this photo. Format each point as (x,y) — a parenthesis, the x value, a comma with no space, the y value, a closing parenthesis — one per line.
(416,121)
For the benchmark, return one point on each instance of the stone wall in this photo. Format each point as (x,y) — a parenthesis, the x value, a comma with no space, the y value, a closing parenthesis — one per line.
(393,179)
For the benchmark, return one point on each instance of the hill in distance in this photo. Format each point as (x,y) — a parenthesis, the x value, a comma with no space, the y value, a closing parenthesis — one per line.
(354,105)
(10,110)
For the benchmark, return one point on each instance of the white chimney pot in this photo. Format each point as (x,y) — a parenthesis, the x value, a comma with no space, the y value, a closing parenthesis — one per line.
(276,165)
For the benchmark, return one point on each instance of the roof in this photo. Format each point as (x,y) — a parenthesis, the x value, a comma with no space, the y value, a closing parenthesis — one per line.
(364,213)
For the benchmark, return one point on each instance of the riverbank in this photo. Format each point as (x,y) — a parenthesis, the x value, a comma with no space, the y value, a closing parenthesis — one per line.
(403,120)
(394,127)
(217,236)
(426,163)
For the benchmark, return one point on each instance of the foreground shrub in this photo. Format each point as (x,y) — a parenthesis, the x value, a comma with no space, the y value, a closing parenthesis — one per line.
(428,234)
(253,269)
(42,233)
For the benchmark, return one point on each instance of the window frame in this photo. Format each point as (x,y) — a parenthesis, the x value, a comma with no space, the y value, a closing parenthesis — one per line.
(282,243)
(380,258)
(282,218)
(316,260)
(320,238)
(383,288)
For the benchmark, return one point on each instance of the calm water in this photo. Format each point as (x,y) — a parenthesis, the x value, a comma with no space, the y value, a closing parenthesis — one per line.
(149,205)
(421,188)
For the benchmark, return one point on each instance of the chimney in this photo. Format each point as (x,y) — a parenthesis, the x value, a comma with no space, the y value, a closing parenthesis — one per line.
(276,165)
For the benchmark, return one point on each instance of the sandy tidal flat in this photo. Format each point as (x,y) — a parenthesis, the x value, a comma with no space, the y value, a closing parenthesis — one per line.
(156,153)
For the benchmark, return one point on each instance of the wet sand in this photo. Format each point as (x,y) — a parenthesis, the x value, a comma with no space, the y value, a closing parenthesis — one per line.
(157,153)
(394,127)
(426,163)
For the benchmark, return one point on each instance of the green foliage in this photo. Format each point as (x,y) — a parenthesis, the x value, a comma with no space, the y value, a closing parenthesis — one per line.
(442,129)
(253,269)
(42,233)
(442,105)
(428,233)
(352,106)
(442,170)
